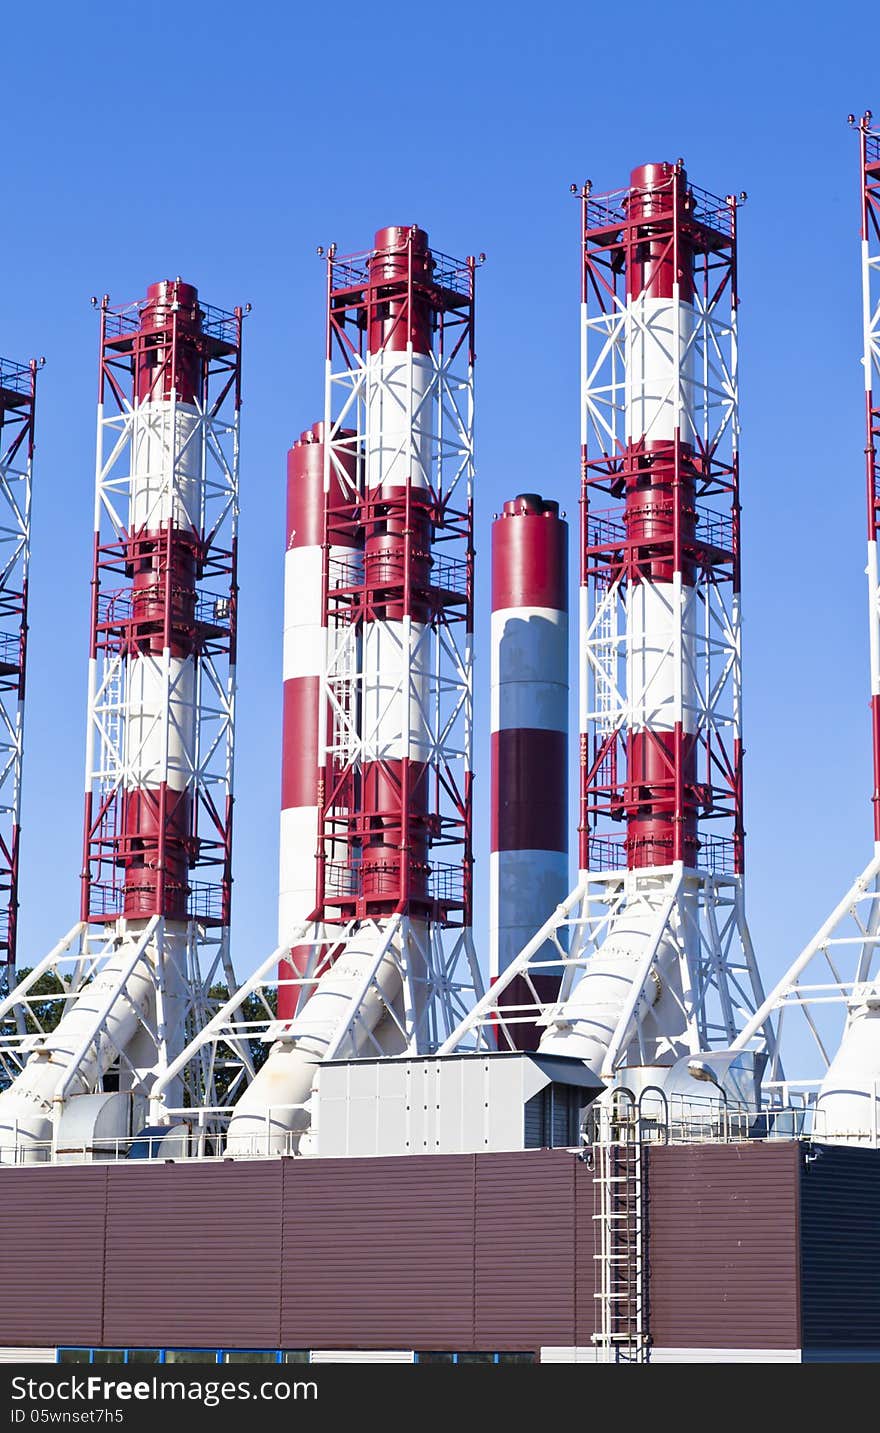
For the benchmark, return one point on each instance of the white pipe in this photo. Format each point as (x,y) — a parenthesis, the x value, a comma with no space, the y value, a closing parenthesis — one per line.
(634,975)
(101,1020)
(271,1113)
(360,992)
(848,1095)
(631,1004)
(117,991)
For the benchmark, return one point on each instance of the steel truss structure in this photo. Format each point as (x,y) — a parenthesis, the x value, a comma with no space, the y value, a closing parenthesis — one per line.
(424,429)
(394,870)
(113,750)
(150,938)
(838,971)
(18,392)
(682,864)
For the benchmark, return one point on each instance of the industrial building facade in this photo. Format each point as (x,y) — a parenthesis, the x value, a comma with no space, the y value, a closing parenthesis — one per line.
(755,1251)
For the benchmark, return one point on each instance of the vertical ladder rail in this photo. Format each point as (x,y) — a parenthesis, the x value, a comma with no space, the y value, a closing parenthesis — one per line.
(618,1183)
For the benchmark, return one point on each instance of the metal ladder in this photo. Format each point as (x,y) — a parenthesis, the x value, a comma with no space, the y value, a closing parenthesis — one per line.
(606,639)
(111,734)
(618,1193)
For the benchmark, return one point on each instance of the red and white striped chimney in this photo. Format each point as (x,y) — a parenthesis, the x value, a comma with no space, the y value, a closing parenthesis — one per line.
(397,566)
(660,514)
(302,665)
(156,847)
(529,716)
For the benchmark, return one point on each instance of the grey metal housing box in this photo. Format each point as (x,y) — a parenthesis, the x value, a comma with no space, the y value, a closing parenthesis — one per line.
(449,1104)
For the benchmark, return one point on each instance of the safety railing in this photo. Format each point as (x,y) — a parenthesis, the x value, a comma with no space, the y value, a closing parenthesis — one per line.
(192,1135)
(117,608)
(607,853)
(216,323)
(654,1118)
(716,856)
(609,528)
(349,575)
(352,271)
(204,900)
(610,211)
(343,880)
(15,377)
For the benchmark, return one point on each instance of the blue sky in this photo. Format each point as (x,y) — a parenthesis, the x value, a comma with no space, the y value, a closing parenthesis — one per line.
(223,143)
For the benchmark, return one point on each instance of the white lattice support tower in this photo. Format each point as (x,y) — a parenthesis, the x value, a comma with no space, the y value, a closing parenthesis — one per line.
(135,976)
(834,983)
(18,392)
(660,964)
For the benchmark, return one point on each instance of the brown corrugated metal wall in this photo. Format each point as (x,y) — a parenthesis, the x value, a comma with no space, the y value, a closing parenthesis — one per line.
(188,1260)
(724,1246)
(429,1252)
(525,1276)
(378,1253)
(53,1255)
(462,1252)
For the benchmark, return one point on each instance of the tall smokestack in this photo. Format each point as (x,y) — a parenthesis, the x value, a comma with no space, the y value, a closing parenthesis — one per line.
(659,964)
(156,877)
(385,957)
(529,715)
(303,664)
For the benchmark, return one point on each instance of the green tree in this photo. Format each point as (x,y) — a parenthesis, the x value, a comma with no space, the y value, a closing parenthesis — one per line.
(253,1008)
(42,1012)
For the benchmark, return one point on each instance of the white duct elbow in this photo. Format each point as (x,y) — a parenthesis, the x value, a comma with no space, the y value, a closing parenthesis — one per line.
(848,1103)
(28,1106)
(274,1110)
(584,1025)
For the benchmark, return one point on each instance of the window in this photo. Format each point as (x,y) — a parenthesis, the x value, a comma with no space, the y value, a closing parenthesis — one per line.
(109,1355)
(190,1355)
(178,1355)
(267,1355)
(248,1355)
(438,1356)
